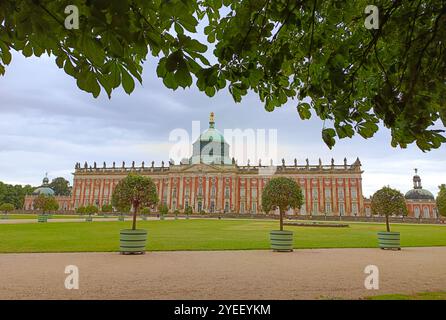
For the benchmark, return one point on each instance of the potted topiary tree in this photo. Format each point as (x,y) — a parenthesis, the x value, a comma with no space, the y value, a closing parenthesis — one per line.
(91,209)
(188,211)
(282,193)
(163,210)
(106,209)
(441,201)
(122,211)
(176,213)
(6,208)
(80,211)
(144,212)
(46,204)
(388,202)
(135,191)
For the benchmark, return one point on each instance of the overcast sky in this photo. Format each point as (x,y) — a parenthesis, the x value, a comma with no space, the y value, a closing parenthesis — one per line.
(48,124)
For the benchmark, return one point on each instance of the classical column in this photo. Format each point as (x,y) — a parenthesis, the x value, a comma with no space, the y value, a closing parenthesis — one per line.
(234,193)
(192,192)
(334,196)
(259,194)
(309,195)
(347,197)
(169,191)
(205,198)
(161,191)
(361,200)
(321,200)
(220,195)
(180,193)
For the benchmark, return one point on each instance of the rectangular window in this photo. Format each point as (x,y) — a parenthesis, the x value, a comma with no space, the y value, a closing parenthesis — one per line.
(328,208)
(354,193)
(354,208)
(253,193)
(315,193)
(254,207)
(242,191)
(315,208)
(227,192)
(341,209)
(327,194)
(341,193)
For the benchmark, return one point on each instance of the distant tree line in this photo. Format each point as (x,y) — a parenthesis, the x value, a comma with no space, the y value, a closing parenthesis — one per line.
(15,194)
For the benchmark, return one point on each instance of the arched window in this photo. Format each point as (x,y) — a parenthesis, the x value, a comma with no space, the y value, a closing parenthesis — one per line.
(426,212)
(417,212)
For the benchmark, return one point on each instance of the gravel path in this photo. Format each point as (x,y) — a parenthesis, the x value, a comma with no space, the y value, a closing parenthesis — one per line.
(303,274)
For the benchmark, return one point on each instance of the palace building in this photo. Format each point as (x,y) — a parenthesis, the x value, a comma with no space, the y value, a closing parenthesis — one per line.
(45,189)
(420,202)
(210,181)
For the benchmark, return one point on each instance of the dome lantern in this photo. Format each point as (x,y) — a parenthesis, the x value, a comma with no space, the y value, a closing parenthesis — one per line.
(211,120)
(418,193)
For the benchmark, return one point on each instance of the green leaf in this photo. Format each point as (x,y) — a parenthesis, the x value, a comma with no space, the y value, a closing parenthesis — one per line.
(303,109)
(328,135)
(127,81)
(182,75)
(6,54)
(27,50)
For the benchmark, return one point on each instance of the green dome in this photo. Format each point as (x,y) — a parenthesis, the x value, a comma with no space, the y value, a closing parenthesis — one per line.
(419,194)
(211,134)
(47,191)
(210,147)
(44,188)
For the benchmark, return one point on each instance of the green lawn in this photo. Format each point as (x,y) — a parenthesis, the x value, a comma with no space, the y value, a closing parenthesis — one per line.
(416,296)
(34,216)
(201,234)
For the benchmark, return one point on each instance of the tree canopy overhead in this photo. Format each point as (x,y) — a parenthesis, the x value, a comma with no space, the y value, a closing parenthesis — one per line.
(318,53)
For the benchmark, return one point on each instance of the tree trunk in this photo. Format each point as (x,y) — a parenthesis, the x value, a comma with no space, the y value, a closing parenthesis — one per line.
(387,223)
(135,210)
(281,220)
